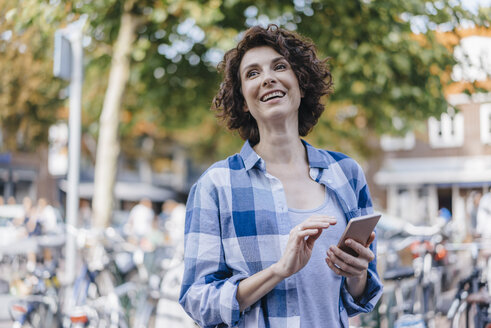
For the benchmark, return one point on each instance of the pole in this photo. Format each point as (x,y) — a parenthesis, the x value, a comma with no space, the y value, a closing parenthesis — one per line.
(68,65)
(74,128)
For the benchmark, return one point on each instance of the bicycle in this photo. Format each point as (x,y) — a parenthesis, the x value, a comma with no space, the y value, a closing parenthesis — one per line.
(99,288)
(40,308)
(411,293)
(149,294)
(117,285)
(471,304)
(430,260)
(398,299)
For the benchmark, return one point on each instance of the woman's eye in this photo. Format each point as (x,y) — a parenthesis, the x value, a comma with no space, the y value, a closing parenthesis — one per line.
(251,73)
(280,66)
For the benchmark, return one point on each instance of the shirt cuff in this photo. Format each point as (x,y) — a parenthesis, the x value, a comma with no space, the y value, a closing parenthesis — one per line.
(228,300)
(369,298)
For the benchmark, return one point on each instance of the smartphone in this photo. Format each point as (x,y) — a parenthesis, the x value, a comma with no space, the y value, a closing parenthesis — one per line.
(358,229)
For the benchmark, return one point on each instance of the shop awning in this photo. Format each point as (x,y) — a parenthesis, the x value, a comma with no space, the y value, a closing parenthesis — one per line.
(436,170)
(129,191)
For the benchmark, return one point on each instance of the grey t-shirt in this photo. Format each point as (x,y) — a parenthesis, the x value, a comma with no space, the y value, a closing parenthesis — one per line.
(317,285)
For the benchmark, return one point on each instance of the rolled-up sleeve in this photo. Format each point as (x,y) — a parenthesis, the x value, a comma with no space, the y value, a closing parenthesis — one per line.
(374,288)
(368,300)
(208,291)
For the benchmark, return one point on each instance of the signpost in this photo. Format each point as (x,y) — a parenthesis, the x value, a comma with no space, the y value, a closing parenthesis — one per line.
(68,65)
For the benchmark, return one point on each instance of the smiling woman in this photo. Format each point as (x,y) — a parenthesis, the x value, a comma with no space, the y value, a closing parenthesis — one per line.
(299,53)
(262,226)
(269,87)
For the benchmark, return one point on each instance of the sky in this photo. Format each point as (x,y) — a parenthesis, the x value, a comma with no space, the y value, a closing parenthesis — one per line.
(472,5)
(474,52)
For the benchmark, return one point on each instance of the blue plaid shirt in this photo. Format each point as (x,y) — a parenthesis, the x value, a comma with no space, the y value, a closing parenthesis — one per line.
(237,224)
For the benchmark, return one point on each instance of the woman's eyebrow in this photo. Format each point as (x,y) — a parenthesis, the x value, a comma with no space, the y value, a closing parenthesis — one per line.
(275,60)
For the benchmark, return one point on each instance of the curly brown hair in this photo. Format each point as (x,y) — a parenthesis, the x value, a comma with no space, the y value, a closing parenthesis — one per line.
(314,79)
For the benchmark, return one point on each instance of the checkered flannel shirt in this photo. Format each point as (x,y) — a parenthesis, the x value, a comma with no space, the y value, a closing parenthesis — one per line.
(237,224)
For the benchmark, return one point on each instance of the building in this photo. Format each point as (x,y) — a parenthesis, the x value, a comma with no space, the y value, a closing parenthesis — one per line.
(26,174)
(449,162)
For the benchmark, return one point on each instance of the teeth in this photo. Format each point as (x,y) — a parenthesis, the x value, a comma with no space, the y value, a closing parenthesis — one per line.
(271,95)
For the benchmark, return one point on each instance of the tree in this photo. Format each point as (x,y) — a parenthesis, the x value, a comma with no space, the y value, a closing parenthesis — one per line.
(389,69)
(29,93)
(108,145)
(385,77)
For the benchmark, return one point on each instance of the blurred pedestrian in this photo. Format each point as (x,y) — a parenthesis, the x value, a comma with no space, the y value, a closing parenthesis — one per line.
(444,216)
(84,213)
(163,216)
(174,225)
(140,220)
(445,223)
(45,218)
(45,214)
(23,216)
(483,216)
(472,204)
(154,238)
(262,226)
(33,225)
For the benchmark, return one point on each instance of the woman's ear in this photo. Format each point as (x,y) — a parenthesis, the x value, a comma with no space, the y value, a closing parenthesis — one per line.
(244,105)
(302,93)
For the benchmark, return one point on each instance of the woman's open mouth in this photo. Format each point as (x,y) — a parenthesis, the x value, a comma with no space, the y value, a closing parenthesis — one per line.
(272,95)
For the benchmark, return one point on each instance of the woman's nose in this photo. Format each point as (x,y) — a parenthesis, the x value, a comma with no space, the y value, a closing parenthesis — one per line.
(268,79)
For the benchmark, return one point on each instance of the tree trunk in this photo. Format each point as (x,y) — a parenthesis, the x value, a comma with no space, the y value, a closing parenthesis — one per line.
(108,142)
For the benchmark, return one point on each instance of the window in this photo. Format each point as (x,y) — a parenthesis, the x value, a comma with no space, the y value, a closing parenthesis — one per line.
(447,132)
(390,143)
(486,123)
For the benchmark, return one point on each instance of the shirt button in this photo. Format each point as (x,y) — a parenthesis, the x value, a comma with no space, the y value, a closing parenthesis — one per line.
(329,180)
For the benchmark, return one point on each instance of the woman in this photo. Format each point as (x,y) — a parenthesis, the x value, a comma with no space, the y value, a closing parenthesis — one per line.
(262,225)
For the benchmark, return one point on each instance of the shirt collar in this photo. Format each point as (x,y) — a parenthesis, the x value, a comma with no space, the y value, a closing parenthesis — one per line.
(250,157)
(315,157)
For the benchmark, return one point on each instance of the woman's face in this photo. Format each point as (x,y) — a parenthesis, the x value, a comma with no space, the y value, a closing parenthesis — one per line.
(269,85)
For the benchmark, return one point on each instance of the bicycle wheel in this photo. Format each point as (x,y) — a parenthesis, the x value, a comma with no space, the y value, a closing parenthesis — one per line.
(390,309)
(429,304)
(373,318)
(43,317)
(470,317)
(116,316)
(145,316)
(460,317)
(410,320)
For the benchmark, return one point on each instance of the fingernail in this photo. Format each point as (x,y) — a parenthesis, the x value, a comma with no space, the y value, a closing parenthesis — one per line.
(348,242)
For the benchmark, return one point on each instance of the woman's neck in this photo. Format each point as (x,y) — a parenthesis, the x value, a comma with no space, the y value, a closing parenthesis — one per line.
(281,149)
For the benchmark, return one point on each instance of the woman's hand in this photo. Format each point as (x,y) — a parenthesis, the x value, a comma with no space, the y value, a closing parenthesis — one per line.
(353,268)
(300,244)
